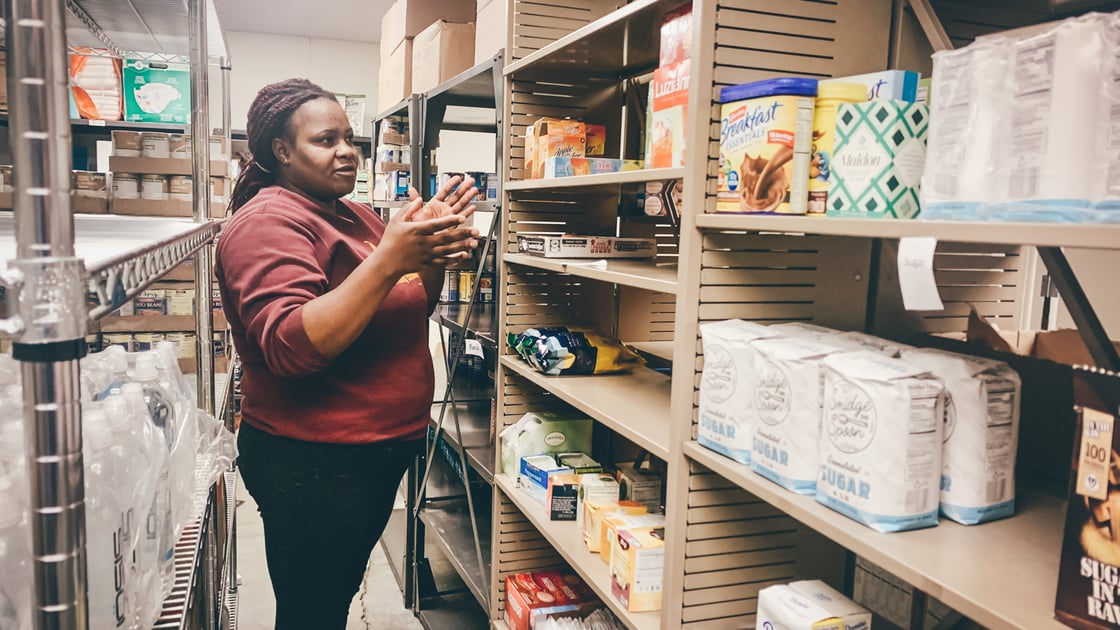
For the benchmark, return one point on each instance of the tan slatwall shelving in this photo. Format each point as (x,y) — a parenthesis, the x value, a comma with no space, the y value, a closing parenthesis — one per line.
(730,533)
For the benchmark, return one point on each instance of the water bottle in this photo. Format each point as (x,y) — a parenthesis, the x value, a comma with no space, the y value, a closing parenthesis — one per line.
(115,362)
(157,542)
(184,454)
(15,561)
(13,447)
(108,527)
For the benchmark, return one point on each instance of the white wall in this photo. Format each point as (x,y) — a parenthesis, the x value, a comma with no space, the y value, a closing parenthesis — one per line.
(338,66)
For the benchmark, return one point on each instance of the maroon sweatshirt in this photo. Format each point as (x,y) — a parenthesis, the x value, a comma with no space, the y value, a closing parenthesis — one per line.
(277,253)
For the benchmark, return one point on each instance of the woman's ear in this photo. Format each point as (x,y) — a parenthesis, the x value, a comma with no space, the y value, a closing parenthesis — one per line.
(281,150)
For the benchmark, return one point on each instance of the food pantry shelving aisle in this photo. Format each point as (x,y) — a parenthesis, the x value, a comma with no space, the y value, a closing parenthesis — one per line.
(54,261)
(730,533)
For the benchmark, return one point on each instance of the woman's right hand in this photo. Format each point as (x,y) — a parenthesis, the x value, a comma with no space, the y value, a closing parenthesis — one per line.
(409,245)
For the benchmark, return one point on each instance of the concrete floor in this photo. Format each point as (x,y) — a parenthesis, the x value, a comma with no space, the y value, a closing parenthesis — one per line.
(378,606)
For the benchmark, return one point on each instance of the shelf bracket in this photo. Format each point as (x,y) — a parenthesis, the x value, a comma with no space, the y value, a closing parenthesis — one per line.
(931,25)
(1073,295)
(74,9)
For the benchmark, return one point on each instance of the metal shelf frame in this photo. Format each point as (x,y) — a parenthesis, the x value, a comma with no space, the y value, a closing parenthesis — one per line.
(45,288)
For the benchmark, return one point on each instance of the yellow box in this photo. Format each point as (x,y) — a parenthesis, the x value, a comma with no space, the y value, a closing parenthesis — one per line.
(596,140)
(558,138)
(591,522)
(632,515)
(637,565)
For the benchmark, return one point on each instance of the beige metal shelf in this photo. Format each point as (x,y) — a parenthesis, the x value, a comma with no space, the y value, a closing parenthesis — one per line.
(640,274)
(1105,236)
(566,537)
(602,179)
(1001,574)
(635,404)
(595,50)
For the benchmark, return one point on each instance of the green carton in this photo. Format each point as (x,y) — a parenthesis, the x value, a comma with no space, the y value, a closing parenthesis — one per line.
(157,92)
(878,159)
(543,433)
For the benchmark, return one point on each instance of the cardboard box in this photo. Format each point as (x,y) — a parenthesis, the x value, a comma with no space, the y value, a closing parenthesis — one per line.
(151,302)
(850,613)
(878,159)
(180,302)
(637,567)
(563,496)
(573,246)
(575,166)
(641,485)
(491,28)
(394,77)
(544,432)
(530,596)
(580,463)
(157,92)
(405,19)
(163,208)
(890,85)
(530,152)
(557,138)
(596,140)
(598,488)
(163,166)
(535,473)
(668,95)
(592,520)
(613,523)
(440,52)
(82,205)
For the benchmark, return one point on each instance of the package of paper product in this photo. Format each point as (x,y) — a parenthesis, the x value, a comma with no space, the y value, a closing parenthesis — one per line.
(877,159)
(95,84)
(1055,114)
(844,340)
(981,433)
(787,404)
(1107,196)
(157,92)
(780,607)
(854,616)
(891,85)
(726,386)
(965,170)
(880,441)
(543,433)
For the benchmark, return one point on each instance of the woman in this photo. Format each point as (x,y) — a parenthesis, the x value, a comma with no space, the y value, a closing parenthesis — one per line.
(328,306)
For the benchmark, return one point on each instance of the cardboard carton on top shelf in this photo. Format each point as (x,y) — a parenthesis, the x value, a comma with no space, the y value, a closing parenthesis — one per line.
(440,52)
(163,208)
(163,166)
(405,19)
(491,25)
(394,78)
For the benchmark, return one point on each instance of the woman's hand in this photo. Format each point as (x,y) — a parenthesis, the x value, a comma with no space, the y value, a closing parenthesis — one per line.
(411,243)
(445,202)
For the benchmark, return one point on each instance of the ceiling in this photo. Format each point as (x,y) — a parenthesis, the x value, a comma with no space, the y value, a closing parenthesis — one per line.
(354,20)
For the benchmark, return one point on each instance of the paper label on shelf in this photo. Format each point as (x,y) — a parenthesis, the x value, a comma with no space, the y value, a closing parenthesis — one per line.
(915,274)
(473,348)
(96,123)
(1096,446)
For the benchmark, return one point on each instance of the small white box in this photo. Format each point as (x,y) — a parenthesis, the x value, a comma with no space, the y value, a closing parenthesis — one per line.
(586,246)
(854,616)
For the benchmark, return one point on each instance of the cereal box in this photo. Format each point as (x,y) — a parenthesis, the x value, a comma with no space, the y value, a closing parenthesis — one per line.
(765,143)
(668,117)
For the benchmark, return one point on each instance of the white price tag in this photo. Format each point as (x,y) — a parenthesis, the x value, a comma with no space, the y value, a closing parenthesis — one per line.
(473,348)
(96,123)
(915,274)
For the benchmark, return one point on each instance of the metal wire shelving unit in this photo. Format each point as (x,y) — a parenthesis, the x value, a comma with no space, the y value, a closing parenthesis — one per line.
(57,262)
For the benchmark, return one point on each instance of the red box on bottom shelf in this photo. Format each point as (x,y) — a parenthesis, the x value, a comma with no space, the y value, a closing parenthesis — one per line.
(546,594)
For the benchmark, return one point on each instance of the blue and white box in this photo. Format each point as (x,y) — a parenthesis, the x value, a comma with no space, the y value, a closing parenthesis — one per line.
(891,85)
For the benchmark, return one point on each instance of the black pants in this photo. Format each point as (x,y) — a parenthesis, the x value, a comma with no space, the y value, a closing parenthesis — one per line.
(324,507)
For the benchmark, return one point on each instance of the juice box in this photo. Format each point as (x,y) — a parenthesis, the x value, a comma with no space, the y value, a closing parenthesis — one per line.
(557,138)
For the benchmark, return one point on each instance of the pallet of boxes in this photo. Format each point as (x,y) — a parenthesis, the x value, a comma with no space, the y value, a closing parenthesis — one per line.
(165,312)
(151,174)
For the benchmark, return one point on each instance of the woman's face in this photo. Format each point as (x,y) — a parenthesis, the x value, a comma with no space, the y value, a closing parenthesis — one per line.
(319,158)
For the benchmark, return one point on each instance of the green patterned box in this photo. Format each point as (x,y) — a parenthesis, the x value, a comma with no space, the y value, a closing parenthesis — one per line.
(878,159)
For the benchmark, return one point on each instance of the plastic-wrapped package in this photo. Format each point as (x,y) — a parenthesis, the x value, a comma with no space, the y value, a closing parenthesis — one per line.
(559,350)
(15,560)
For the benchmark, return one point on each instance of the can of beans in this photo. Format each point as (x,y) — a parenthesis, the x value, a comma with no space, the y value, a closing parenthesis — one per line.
(466,285)
(452,284)
(486,288)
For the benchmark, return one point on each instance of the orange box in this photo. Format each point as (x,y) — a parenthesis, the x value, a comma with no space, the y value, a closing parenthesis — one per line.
(627,515)
(530,152)
(668,93)
(596,140)
(546,594)
(557,138)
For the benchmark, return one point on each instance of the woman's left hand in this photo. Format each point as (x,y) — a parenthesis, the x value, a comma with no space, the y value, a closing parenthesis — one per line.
(445,202)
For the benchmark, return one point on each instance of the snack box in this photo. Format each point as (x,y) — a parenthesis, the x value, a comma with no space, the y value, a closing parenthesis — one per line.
(535,473)
(637,564)
(580,463)
(563,496)
(530,596)
(555,167)
(620,521)
(596,140)
(574,246)
(557,138)
(641,485)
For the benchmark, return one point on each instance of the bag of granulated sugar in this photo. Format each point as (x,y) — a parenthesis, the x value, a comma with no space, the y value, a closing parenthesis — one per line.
(981,434)
(881,441)
(726,386)
(787,405)
(845,340)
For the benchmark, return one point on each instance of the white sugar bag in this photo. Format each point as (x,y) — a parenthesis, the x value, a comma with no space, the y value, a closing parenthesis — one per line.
(787,405)
(881,441)
(845,340)
(726,386)
(981,434)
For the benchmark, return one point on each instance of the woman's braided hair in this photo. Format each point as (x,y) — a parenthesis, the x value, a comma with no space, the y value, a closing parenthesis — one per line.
(268,119)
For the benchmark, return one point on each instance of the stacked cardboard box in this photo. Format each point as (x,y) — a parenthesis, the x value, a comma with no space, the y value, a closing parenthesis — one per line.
(402,22)
(491,25)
